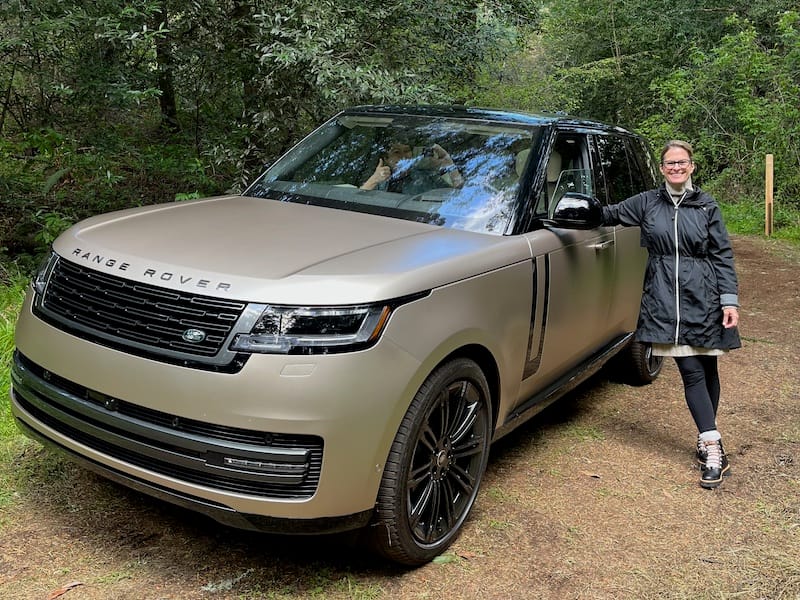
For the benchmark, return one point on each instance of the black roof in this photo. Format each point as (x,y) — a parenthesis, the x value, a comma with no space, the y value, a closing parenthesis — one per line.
(489,114)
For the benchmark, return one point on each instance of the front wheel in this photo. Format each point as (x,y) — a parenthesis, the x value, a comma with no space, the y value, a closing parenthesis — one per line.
(435,465)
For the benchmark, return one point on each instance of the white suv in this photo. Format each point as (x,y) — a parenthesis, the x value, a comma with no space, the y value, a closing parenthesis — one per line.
(337,347)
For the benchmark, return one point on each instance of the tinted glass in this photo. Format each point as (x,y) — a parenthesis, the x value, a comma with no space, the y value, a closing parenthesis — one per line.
(452,173)
(646,163)
(614,160)
(637,178)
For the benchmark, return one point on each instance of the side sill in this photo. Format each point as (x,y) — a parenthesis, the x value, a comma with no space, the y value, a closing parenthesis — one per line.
(538,402)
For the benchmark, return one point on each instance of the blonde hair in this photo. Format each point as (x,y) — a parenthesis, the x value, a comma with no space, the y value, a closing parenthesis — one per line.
(677,144)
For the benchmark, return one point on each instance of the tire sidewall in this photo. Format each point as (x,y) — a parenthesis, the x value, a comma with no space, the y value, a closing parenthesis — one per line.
(392,509)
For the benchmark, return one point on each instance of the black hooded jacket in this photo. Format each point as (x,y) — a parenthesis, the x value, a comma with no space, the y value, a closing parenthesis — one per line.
(690,272)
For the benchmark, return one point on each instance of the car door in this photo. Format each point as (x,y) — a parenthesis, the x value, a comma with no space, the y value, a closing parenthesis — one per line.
(572,269)
(625,172)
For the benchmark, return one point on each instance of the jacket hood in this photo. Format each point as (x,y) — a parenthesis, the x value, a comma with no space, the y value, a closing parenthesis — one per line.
(694,197)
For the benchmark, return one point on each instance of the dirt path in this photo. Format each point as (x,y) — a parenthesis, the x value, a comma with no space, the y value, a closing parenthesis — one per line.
(597,498)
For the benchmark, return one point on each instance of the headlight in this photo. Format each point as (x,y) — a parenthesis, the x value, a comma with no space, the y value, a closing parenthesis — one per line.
(39,281)
(313,330)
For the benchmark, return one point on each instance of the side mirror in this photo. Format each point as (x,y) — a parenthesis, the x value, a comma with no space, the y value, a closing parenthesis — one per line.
(576,211)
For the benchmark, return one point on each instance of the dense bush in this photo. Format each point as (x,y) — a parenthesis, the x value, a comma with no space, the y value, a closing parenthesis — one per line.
(49,180)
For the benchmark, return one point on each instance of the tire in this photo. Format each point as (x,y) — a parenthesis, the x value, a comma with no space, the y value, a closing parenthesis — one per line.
(639,366)
(435,466)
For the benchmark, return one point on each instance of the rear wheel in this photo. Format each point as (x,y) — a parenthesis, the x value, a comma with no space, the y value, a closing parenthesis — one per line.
(639,365)
(435,465)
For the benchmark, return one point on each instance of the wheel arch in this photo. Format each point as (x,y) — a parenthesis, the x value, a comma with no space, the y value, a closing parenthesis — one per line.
(470,349)
(485,360)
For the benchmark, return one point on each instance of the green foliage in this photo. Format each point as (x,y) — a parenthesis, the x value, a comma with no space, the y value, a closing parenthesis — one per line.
(12,290)
(51,226)
(739,102)
(182,196)
(49,181)
(113,104)
(747,217)
(722,75)
(70,60)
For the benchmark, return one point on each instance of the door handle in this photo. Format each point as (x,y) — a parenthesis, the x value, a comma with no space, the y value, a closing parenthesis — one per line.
(599,247)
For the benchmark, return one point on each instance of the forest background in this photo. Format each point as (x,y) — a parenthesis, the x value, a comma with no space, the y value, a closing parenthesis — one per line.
(112,104)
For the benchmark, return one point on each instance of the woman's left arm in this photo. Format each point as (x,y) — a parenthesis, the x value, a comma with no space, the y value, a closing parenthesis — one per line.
(720,253)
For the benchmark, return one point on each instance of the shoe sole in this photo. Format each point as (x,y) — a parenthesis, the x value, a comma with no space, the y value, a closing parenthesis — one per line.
(711,484)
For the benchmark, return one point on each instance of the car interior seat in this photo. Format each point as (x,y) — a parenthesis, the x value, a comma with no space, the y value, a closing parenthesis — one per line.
(553,172)
(521,160)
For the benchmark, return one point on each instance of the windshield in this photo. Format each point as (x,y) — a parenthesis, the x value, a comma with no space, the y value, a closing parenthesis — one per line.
(452,173)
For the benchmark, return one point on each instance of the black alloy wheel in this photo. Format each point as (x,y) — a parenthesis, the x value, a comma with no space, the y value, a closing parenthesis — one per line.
(435,465)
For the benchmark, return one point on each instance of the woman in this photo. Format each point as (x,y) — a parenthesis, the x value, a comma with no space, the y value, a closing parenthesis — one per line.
(690,301)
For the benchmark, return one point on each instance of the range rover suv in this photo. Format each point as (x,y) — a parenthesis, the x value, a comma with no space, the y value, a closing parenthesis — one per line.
(337,347)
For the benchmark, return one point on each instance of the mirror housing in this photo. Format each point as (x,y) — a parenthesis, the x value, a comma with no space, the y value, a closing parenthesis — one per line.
(576,211)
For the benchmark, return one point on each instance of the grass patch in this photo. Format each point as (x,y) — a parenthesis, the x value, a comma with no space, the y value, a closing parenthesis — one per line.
(747,218)
(12,290)
(584,433)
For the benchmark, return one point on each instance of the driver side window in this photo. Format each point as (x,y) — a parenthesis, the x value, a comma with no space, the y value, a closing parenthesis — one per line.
(568,170)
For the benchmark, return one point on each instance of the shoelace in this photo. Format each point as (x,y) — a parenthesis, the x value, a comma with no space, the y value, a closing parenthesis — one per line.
(714,455)
(701,447)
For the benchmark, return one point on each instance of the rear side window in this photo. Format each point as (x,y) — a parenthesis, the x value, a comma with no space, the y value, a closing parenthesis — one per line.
(644,158)
(620,182)
(638,181)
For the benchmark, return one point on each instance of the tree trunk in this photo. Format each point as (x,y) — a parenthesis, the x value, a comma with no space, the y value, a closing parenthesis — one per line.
(7,98)
(167,103)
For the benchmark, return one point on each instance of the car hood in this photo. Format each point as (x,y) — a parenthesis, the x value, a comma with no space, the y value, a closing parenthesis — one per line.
(268,251)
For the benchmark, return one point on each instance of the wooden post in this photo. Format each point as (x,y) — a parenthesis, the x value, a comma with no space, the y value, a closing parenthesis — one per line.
(768,208)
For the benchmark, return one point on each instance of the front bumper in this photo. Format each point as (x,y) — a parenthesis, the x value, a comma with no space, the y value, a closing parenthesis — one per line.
(220,513)
(287,438)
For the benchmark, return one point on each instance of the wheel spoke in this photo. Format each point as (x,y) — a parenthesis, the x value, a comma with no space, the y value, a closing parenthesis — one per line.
(428,439)
(424,516)
(418,475)
(444,413)
(420,507)
(468,401)
(463,479)
(445,517)
(434,508)
(469,415)
(470,447)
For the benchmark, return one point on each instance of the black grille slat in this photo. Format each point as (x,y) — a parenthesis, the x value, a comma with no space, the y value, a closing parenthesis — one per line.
(156,292)
(178,309)
(123,310)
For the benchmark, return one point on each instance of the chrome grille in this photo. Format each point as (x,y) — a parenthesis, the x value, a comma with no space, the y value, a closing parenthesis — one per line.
(138,315)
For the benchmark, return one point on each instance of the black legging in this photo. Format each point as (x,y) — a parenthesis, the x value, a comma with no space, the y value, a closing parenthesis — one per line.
(701,387)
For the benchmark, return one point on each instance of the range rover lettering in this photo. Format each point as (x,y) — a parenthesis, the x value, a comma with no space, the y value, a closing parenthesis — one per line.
(337,347)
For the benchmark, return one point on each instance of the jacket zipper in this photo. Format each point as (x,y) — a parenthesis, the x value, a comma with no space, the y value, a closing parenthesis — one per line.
(677,270)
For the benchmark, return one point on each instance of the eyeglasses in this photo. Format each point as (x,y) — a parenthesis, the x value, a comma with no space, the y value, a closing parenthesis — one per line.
(671,164)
